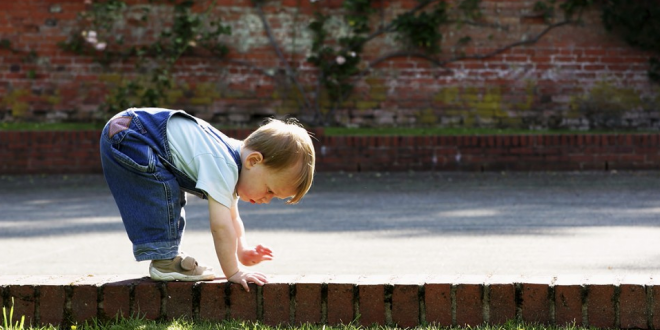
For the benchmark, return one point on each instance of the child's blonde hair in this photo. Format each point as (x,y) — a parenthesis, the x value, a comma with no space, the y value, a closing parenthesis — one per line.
(284,144)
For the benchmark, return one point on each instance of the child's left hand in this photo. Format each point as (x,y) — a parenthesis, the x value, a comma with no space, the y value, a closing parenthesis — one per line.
(253,256)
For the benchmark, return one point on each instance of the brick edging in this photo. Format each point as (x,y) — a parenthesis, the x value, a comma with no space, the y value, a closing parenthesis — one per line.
(603,302)
(44,152)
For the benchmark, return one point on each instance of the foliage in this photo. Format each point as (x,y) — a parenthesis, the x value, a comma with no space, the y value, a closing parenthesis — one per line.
(100,37)
(422,30)
(185,324)
(7,321)
(336,53)
(605,106)
(336,65)
(638,22)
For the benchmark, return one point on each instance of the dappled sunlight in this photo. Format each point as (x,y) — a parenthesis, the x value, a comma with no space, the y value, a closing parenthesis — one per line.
(50,223)
(642,211)
(469,213)
(562,224)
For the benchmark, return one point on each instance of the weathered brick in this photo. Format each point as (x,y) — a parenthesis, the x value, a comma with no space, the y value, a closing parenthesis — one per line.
(84,303)
(655,309)
(568,304)
(147,299)
(437,300)
(51,304)
(405,305)
(212,306)
(372,304)
(600,306)
(179,299)
(308,302)
(340,303)
(535,303)
(469,304)
(117,299)
(632,307)
(242,304)
(276,303)
(24,302)
(501,303)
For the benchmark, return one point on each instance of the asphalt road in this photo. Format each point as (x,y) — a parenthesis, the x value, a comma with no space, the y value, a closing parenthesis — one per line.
(523,224)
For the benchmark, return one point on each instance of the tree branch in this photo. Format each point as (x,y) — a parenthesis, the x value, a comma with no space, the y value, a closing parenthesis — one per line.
(443,63)
(390,26)
(280,55)
(507,47)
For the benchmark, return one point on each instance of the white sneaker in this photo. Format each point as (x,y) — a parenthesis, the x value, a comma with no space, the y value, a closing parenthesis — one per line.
(181,268)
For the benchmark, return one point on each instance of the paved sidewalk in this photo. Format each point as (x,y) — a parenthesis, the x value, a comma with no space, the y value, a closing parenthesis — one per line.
(484,224)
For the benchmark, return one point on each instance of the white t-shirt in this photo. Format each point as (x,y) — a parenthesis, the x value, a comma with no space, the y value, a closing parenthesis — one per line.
(204,159)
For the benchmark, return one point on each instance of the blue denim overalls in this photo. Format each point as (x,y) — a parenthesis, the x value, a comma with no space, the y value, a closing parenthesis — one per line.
(148,189)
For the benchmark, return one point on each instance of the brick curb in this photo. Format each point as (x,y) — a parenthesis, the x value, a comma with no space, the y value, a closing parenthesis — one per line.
(603,302)
(54,152)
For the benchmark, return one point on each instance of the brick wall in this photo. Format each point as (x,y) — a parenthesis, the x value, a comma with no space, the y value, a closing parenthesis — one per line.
(78,152)
(602,302)
(572,69)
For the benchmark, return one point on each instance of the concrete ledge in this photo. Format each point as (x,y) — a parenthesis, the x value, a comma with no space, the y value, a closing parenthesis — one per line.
(604,302)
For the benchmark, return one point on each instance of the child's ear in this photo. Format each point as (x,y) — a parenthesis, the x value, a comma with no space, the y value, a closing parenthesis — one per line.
(253,158)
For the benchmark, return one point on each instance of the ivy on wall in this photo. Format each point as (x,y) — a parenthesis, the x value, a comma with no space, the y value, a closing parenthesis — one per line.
(338,57)
(97,36)
(637,22)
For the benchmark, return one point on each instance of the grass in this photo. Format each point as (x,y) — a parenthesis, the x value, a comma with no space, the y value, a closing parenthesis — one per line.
(7,319)
(337,131)
(182,324)
(19,126)
(185,324)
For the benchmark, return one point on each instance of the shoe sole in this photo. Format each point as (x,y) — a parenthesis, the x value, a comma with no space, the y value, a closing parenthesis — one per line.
(156,275)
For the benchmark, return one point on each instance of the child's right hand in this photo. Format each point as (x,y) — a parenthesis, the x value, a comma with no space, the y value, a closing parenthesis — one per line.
(243,278)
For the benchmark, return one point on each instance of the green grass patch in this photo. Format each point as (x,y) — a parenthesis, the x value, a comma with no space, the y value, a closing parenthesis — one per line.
(50,126)
(341,131)
(394,131)
(182,324)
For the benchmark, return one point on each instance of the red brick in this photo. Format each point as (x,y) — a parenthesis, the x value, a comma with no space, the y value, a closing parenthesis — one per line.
(308,302)
(501,303)
(340,303)
(405,305)
(84,303)
(655,309)
(600,306)
(51,304)
(24,302)
(243,304)
(147,299)
(276,303)
(568,305)
(469,304)
(372,304)
(437,302)
(179,301)
(632,307)
(212,306)
(535,303)
(117,299)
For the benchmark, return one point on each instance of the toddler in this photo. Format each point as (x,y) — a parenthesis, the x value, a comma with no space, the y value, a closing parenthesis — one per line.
(151,157)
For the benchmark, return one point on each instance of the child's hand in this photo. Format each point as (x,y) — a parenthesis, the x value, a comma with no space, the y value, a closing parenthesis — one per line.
(253,256)
(243,278)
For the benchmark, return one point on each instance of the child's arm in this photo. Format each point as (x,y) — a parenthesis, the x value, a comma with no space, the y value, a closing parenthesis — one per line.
(225,240)
(248,256)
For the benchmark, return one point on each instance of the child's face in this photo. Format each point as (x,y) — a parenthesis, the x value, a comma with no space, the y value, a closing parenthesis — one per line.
(258,184)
